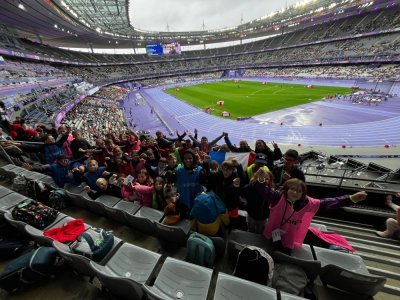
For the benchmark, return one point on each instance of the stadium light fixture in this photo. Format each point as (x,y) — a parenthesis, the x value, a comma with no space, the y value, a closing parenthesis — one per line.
(21,6)
(55,26)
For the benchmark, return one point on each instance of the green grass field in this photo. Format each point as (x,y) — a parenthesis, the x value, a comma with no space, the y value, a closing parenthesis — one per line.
(252,98)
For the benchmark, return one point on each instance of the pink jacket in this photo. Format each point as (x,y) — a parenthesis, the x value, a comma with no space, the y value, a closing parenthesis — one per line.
(144,194)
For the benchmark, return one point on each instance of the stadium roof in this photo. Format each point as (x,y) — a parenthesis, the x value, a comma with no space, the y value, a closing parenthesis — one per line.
(106,23)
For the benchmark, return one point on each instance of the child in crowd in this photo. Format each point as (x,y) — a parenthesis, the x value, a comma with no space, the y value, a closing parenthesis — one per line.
(104,188)
(291,211)
(143,194)
(257,208)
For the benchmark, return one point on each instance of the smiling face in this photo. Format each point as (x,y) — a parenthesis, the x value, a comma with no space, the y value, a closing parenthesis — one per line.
(294,190)
(188,160)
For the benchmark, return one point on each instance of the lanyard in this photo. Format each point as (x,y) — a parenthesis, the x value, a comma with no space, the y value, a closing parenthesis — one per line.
(283,217)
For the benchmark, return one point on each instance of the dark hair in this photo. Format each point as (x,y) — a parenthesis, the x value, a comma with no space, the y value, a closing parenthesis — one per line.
(292,153)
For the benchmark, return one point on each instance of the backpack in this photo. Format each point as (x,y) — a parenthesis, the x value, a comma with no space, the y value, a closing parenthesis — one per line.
(20,185)
(94,244)
(200,250)
(58,199)
(254,264)
(289,278)
(38,191)
(28,268)
(34,213)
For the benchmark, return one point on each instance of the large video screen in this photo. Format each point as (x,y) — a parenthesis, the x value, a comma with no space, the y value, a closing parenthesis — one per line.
(163,49)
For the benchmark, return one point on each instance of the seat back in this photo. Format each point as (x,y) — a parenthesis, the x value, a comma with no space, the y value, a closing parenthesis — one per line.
(19,225)
(144,219)
(78,262)
(347,272)
(127,270)
(10,199)
(234,288)
(177,233)
(180,280)
(120,211)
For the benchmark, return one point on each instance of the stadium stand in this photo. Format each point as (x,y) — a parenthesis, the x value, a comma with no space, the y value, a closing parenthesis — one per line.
(101,128)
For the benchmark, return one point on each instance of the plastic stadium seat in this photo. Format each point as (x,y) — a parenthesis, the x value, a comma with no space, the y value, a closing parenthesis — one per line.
(234,288)
(286,296)
(6,202)
(99,205)
(320,227)
(127,270)
(304,252)
(37,234)
(144,219)
(219,244)
(177,233)
(239,239)
(75,194)
(7,168)
(10,200)
(180,280)
(80,263)
(120,211)
(29,175)
(48,180)
(311,267)
(12,173)
(347,272)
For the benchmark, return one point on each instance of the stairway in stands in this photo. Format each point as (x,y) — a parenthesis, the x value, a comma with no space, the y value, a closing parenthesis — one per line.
(381,255)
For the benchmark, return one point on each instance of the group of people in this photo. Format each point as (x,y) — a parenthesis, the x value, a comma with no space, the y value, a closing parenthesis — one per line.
(169,173)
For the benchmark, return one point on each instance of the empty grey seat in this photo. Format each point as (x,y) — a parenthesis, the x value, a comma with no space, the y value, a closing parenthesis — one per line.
(320,227)
(180,280)
(347,272)
(310,266)
(177,233)
(234,288)
(12,173)
(120,211)
(80,263)
(100,205)
(239,239)
(7,202)
(29,175)
(286,296)
(7,168)
(304,252)
(75,194)
(144,219)
(10,200)
(127,270)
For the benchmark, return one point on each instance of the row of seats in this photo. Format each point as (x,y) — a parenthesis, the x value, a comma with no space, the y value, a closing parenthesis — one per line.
(128,270)
(145,219)
(350,271)
(344,271)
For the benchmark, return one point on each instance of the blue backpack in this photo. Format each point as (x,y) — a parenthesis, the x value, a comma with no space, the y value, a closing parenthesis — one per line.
(200,250)
(207,207)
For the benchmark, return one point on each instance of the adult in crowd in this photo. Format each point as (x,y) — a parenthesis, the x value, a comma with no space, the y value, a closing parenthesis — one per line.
(262,147)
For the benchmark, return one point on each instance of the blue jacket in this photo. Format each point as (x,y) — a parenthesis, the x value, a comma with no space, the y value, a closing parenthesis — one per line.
(188,185)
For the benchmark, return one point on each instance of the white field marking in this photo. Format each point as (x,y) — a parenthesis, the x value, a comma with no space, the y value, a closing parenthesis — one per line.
(278,91)
(253,93)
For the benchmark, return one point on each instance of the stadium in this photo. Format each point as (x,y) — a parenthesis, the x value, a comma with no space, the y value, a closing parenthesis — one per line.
(96,112)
